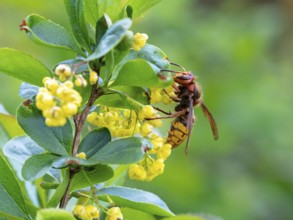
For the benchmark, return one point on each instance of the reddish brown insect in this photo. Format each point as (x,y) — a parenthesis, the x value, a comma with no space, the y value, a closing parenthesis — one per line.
(188,95)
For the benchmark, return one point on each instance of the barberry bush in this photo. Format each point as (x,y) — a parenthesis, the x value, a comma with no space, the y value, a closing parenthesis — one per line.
(82,127)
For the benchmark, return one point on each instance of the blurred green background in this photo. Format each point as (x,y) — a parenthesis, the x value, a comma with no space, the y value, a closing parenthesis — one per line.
(242,52)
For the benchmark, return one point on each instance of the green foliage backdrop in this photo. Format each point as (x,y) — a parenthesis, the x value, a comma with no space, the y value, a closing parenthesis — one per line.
(242,53)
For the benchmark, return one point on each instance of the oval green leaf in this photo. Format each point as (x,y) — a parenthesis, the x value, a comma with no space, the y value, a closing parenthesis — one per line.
(141,6)
(48,33)
(122,151)
(21,148)
(58,194)
(37,165)
(120,99)
(150,53)
(102,26)
(54,214)
(22,66)
(132,214)
(66,161)
(94,141)
(10,125)
(193,217)
(54,139)
(141,73)
(28,91)
(136,199)
(12,201)
(111,38)
(91,11)
(75,13)
(90,176)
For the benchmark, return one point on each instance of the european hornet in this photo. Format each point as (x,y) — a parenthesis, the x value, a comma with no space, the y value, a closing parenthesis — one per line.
(188,95)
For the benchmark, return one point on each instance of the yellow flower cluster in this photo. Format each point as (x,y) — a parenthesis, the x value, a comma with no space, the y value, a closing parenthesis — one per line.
(88,212)
(57,101)
(162,95)
(148,168)
(125,122)
(63,71)
(139,41)
(114,213)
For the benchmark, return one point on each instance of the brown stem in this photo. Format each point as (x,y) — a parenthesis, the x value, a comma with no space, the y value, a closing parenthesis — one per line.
(66,196)
(80,118)
(79,121)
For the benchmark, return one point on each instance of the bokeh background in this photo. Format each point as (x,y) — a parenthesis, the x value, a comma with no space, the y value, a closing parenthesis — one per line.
(242,52)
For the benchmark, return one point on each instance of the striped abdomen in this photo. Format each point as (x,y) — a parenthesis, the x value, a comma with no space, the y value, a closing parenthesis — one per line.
(178,132)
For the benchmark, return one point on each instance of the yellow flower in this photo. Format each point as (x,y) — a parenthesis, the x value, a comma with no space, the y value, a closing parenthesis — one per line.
(139,41)
(92,212)
(81,155)
(156,168)
(114,213)
(78,210)
(156,96)
(165,151)
(145,129)
(137,172)
(147,112)
(63,71)
(80,81)
(93,77)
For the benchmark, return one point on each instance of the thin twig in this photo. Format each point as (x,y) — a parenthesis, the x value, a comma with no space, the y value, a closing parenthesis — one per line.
(79,121)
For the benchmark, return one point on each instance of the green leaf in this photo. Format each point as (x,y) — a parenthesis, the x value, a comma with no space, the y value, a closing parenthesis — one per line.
(138,94)
(10,125)
(75,11)
(12,202)
(122,151)
(141,6)
(109,62)
(66,161)
(32,209)
(54,214)
(193,217)
(28,91)
(48,33)
(111,38)
(185,217)
(119,100)
(94,141)
(21,148)
(141,73)
(127,12)
(91,11)
(136,199)
(150,53)
(120,175)
(111,8)
(4,137)
(54,139)
(22,66)
(102,26)
(61,189)
(132,214)
(90,176)
(37,165)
